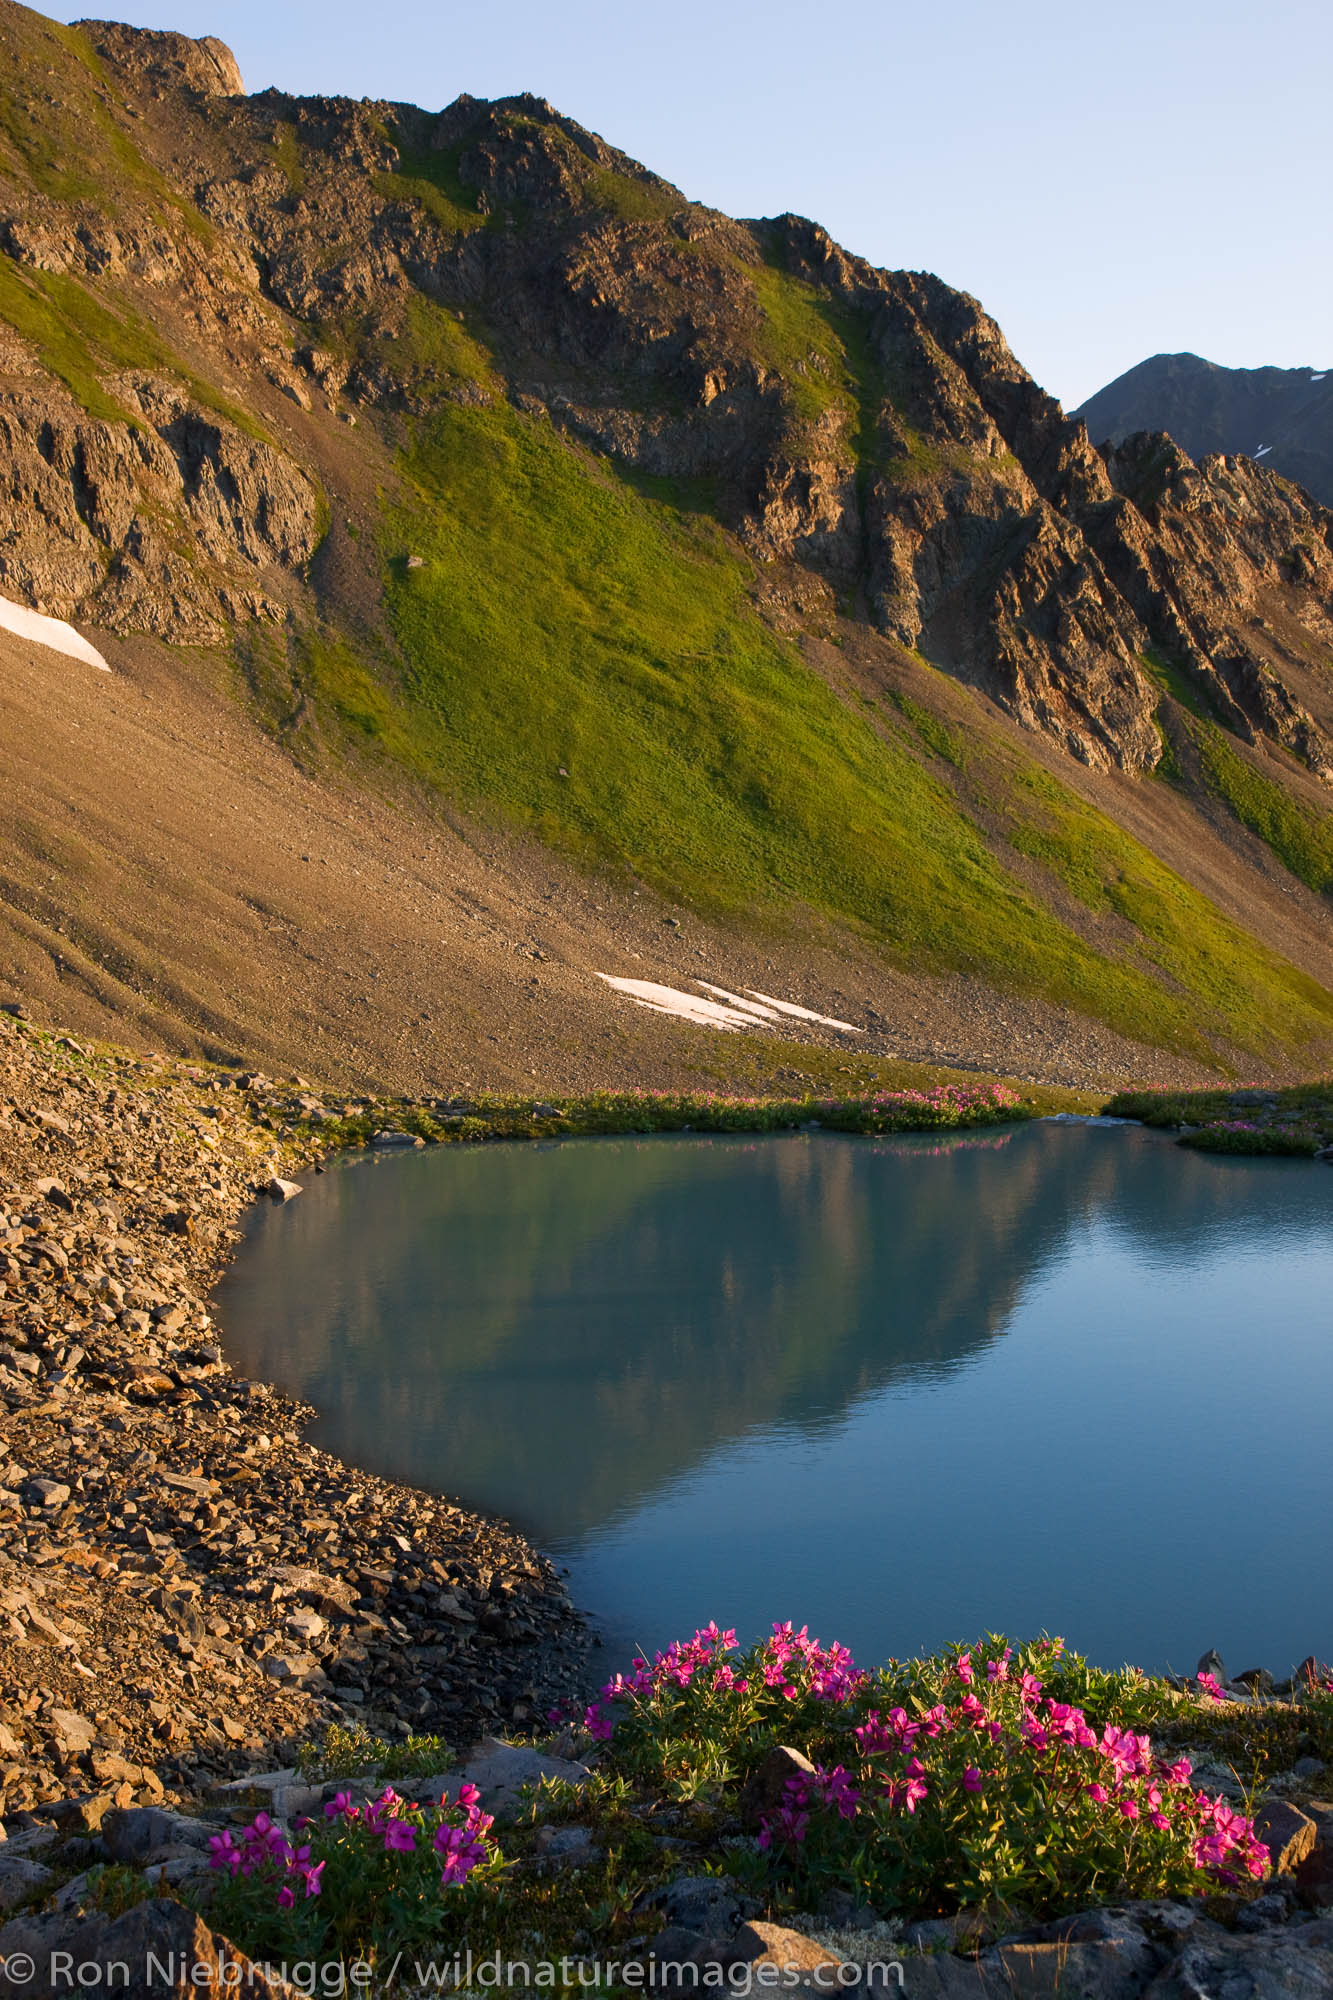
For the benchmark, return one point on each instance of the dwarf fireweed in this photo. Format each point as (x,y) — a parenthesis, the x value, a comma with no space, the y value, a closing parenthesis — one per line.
(323,1889)
(937,1784)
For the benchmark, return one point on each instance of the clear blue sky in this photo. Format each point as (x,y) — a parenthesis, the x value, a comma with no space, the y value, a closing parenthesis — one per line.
(1111,181)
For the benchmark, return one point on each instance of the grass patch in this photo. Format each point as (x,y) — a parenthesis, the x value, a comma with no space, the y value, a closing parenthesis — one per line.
(429,177)
(61,137)
(1299,835)
(935,734)
(1259,1000)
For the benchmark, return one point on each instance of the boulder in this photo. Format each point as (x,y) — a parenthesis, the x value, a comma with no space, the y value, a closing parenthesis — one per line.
(766,1790)
(1280,1965)
(500,1771)
(138,1835)
(168,1953)
(1287,1833)
(19,1879)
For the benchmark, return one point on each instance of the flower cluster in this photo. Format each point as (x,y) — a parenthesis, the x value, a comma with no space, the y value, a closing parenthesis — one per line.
(977,1775)
(460,1845)
(263,1851)
(791,1665)
(324,1889)
(1010,1741)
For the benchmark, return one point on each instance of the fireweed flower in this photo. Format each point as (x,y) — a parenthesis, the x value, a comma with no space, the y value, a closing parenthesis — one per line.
(972,1778)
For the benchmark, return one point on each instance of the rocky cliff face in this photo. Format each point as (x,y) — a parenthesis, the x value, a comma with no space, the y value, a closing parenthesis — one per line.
(867,433)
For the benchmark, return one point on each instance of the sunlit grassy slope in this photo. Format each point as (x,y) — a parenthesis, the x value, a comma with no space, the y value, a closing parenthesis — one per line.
(585,657)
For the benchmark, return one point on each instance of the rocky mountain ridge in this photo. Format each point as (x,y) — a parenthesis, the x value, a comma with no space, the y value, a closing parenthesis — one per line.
(910,466)
(1280,417)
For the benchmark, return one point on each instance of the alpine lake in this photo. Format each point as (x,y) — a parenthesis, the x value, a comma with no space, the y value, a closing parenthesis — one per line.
(1058,1377)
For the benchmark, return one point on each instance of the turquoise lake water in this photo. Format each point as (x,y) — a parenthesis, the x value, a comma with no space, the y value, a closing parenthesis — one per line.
(1062,1378)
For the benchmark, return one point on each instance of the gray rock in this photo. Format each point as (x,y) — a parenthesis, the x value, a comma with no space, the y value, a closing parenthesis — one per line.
(1282,1965)
(281,1190)
(566,1846)
(136,1835)
(709,1904)
(19,1877)
(1262,1914)
(147,1939)
(393,1138)
(500,1771)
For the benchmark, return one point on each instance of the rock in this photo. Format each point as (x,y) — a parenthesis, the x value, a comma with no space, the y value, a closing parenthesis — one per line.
(48,1492)
(766,1789)
(779,1957)
(141,1833)
(566,1846)
(1287,1833)
(291,1666)
(281,1190)
(1279,1965)
(75,1731)
(1100,1969)
(307,1626)
(709,1904)
(1255,1680)
(389,1137)
(1313,1876)
(20,1878)
(500,1771)
(1211,1662)
(169,1953)
(1262,1914)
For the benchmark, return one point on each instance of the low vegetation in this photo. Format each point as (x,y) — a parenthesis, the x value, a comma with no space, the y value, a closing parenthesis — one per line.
(1009,1783)
(1297,1121)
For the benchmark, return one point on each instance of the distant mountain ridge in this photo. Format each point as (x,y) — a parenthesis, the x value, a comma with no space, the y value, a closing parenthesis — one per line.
(1281,416)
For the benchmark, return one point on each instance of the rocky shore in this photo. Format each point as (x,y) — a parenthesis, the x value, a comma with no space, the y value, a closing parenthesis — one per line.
(187,1591)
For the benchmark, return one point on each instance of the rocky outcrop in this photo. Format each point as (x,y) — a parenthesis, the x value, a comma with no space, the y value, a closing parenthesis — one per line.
(165,61)
(171,522)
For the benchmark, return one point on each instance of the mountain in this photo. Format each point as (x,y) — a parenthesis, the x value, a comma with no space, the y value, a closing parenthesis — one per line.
(1282,417)
(513,571)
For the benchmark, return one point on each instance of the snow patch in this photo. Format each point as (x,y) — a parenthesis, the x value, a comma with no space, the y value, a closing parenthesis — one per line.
(738,1000)
(52,632)
(804,1013)
(684,1006)
(1318,378)
(725,1010)
(1264,448)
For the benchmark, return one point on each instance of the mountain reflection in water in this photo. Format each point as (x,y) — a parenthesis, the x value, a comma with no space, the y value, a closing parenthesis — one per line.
(814,1349)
